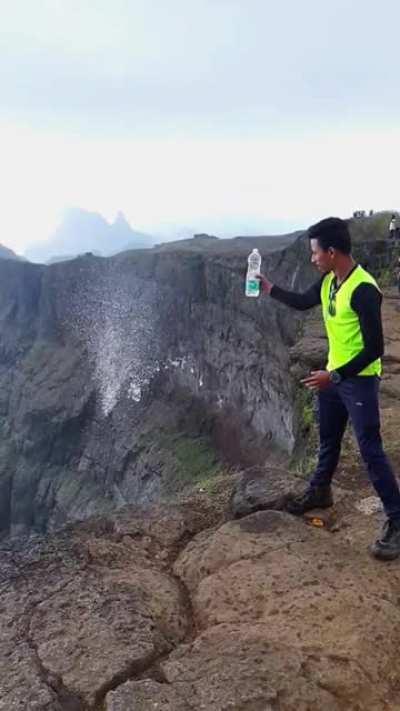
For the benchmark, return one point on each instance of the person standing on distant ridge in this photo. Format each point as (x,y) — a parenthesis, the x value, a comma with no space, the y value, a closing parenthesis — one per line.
(393,227)
(348,388)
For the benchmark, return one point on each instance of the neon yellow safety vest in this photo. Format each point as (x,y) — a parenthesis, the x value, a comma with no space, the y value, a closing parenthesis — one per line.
(343,328)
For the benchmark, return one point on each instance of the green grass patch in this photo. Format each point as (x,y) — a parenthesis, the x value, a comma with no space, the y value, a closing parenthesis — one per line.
(195,461)
(305,454)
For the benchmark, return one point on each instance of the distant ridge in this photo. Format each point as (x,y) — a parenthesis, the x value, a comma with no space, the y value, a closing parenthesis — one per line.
(209,243)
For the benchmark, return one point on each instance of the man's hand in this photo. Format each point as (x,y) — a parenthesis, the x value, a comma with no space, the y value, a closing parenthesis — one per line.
(266,285)
(317,380)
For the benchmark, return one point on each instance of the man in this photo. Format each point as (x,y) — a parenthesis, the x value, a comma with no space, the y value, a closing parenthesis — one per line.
(348,388)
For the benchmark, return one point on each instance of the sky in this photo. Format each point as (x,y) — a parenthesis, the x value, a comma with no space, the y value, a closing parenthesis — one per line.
(226,116)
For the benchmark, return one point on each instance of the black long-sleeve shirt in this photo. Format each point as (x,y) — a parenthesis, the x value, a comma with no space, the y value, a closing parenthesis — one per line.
(366,301)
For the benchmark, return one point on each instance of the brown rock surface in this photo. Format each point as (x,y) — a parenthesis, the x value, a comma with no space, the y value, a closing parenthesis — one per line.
(305,590)
(260,613)
(237,667)
(87,609)
(145,695)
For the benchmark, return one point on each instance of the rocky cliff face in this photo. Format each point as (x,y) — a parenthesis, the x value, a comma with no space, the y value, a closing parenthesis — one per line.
(112,370)
(122,378)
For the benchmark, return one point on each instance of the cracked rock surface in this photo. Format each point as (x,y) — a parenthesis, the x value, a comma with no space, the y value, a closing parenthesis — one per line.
(169,609)
(317,620)
(86,609)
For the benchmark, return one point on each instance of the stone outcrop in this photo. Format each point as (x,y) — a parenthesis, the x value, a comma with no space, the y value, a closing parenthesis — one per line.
(259,488)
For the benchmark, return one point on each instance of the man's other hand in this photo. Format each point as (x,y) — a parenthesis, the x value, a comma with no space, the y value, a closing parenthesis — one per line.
(317,380)
(266,284)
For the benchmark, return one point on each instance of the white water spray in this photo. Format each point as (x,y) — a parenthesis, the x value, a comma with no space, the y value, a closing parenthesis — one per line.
(113,313)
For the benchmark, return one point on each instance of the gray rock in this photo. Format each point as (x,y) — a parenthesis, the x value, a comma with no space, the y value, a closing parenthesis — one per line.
(261,488)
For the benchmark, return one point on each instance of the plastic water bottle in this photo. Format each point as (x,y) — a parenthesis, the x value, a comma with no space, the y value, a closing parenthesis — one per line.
(253,284)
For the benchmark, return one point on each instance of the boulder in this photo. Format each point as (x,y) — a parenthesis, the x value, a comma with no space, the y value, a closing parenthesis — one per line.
(260,488)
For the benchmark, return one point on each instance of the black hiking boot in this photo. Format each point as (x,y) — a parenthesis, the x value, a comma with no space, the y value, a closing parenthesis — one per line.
(315,497)
(387,546)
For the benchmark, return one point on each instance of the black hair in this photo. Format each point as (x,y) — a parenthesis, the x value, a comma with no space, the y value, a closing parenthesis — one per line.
(332,232)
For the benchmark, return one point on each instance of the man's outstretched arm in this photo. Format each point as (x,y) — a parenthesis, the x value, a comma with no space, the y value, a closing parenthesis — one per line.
(302,302)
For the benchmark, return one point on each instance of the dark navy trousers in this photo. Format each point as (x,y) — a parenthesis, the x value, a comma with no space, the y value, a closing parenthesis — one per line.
(355,398)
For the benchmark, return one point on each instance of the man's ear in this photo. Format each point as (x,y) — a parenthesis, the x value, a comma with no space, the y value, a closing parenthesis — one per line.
(331,251)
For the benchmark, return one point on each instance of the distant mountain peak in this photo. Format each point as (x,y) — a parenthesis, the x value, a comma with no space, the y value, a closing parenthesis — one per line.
(84,231)
(121,227)
(121,219)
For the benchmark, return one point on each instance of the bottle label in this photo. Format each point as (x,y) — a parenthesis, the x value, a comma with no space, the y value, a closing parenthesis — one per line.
(253,286)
